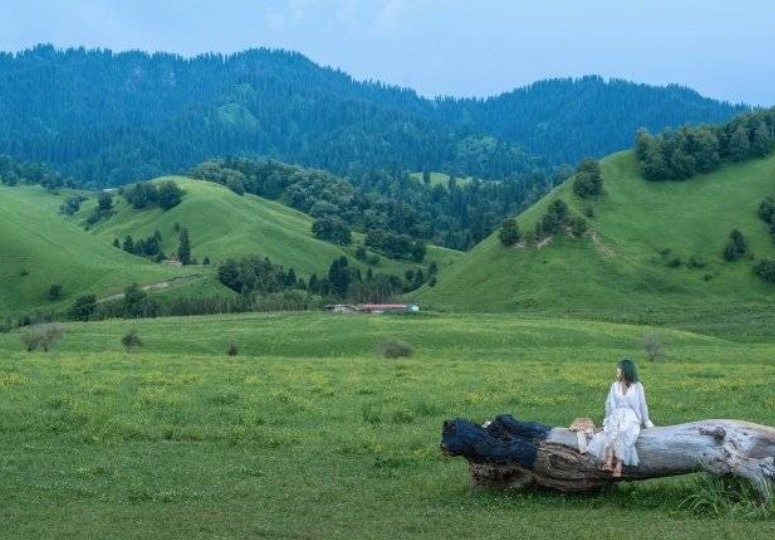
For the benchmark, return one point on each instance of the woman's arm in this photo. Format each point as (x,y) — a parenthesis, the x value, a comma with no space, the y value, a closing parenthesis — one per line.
(609,402)
(644,408)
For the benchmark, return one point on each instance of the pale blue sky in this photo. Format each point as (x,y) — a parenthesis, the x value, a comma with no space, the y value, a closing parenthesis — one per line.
(723,48)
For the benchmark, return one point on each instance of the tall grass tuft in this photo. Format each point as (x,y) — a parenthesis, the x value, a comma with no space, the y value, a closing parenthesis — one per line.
(720,496)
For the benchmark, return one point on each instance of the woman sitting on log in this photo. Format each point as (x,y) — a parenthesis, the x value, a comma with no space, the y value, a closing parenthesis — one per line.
(625,412)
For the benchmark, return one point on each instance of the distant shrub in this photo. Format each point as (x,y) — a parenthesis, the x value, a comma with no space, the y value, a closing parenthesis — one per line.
(697,262)
(24,273)
(653,345)
(131,340)
(589,212)
(578,226)
(43,336)
(509,232)
(206,261)
(71,205)
(588,183)
(83,308)
(55,292)
(232,350)
(765,269)
(5,326)
(395,348)
(736,246)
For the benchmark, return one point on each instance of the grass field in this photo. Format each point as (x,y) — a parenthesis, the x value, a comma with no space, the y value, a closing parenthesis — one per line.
(38,248)
(223,224)
(307,433)
(620,267)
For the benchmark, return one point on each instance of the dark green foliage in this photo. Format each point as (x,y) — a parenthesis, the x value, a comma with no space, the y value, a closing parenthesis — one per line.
(396,246)
(765,269)
(184,247)
(386,200)
(71,205)
(739,146)
(103,210)
(394,348)
(553,220)
(116,243)
(206,261)
(55,292)
(509,232)
(145,247)
(136,303)
(170,195)
(767,210)
(142,195)
(105,202)
(131,340)
(92,124)
(252,274)
(332,229)
(736,246)
(232,350)
(762,139)
(578,226)
(680,154)
(14,172)
(588,183)
(83,308)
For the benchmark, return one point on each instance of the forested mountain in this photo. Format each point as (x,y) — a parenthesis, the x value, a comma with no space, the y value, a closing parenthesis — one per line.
(565,120)
(106,118)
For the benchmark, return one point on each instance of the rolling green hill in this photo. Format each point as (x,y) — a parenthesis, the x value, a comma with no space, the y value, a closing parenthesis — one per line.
(622,264)
(222,224)
(38,248)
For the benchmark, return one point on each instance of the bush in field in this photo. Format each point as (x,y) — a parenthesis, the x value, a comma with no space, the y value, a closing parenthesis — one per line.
(765,269)
(395,348)
(653,346)
(736,246)
(232,350)
(131,340)
(55,292)
(43,336)
(509,232)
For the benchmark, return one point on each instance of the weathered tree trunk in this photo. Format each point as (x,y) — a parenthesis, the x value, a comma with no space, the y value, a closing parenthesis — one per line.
(509,454)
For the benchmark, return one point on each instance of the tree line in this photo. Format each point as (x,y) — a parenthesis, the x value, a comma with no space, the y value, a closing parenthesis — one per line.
(679,154)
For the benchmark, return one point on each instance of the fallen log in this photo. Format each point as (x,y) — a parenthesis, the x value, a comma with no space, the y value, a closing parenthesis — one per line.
(510,454)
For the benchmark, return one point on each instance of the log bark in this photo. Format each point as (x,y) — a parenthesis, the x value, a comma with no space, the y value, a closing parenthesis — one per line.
(510,454)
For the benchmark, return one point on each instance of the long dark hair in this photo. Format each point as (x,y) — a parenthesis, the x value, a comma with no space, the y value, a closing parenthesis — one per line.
(629,372)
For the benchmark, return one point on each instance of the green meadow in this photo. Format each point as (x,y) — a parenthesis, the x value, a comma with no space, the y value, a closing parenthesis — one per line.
(222,224)
(38,248)
(624,264)
(309,433)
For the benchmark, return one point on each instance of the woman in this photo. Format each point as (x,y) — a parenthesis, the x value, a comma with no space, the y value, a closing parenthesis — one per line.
(625,412)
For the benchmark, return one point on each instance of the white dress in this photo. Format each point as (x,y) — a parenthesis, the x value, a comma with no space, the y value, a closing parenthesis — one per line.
(625,413)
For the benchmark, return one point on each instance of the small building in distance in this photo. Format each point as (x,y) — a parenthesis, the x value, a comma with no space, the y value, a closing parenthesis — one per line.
(372,308)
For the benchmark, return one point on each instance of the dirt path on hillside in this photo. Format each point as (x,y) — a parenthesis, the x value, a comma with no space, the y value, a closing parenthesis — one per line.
(604,248)
(155,287)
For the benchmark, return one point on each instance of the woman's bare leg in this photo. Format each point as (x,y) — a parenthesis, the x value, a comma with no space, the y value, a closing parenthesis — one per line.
(609,459)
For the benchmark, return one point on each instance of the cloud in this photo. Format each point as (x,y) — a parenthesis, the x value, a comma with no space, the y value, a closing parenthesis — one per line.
(292,16)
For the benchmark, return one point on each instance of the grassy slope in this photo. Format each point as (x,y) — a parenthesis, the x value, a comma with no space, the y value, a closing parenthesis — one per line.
(222,224)
(181,441)
(34,238)
(623,270)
